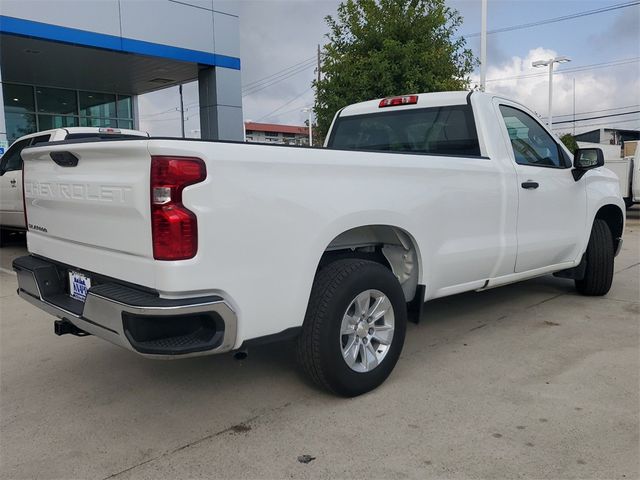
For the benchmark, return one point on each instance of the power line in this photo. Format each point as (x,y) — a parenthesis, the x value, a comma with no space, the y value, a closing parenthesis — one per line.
(284,105)
(598,117)
(250,84)
(274,81)
(597,111)
(161,119)
(557,19)
(601,123)
(174,109)
(593,66)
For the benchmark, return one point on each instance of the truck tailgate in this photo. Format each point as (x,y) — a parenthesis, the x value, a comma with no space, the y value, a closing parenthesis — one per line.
(93,213)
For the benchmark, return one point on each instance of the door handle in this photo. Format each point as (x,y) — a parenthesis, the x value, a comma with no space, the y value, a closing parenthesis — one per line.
(530,185)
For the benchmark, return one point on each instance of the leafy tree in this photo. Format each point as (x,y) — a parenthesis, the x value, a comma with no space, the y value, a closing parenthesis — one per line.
(569,142)
(379,48)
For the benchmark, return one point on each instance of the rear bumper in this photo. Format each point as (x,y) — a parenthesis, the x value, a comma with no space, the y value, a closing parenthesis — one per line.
(137,320)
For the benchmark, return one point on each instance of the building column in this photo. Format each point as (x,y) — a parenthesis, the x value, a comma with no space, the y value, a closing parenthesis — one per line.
(3,124)
(135,110)
(220,100)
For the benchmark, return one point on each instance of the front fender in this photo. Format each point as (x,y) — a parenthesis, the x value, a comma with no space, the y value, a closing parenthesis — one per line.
(602,189)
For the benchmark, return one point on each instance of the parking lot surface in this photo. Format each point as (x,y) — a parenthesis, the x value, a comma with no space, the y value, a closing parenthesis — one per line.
(529,380)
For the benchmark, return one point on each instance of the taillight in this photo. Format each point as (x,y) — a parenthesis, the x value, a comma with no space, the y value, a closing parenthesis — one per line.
(174,228)
(397,101)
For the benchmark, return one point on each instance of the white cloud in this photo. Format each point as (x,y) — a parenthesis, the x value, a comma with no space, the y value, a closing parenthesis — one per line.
(595,89)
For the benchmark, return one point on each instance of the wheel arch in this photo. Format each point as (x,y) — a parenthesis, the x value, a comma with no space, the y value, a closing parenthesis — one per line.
(390,245)
(614,218)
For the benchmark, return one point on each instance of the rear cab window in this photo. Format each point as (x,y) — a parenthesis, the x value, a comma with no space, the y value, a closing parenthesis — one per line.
(447,130)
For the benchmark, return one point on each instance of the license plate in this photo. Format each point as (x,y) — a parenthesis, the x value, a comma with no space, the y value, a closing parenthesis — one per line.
(79,285)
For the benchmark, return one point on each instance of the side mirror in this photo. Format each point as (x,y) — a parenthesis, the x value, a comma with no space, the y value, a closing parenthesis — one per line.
(584,159)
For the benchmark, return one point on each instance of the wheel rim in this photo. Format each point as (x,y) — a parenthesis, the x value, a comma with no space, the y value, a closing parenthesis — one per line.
(367,330)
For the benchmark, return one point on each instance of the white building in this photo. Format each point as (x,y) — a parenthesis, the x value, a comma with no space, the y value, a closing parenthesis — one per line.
(68,62)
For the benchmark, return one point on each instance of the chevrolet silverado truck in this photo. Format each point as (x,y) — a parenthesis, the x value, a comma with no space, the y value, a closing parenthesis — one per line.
(11,204)
(177,248)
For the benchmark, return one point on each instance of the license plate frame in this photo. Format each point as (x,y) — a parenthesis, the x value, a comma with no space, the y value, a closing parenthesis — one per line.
(79,285)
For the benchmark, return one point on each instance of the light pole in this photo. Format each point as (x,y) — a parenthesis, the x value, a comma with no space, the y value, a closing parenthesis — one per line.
(549,63)
(310,111)
(483,47)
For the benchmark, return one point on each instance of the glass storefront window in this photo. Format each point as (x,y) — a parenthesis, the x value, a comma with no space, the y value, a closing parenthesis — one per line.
(29,108)
(124,107)
(56,100)
(94,104)
(48,122)
(98,122)
(19,124)
(18,98)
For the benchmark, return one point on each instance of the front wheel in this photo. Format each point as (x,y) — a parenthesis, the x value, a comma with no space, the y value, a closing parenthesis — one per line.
(354,328)
(599,257)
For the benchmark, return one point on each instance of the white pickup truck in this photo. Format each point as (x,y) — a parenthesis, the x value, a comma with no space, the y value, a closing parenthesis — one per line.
(176,248)
(11,202)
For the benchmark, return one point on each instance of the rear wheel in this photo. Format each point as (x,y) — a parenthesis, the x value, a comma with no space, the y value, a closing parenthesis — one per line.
(354,328)
(599,257)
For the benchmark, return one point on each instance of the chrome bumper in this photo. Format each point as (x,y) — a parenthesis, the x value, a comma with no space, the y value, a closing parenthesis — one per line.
(114,312)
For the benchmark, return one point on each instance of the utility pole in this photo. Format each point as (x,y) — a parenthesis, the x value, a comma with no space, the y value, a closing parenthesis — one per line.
(574,106)
(319,64)
(310,111)
(181,110)
(483,47)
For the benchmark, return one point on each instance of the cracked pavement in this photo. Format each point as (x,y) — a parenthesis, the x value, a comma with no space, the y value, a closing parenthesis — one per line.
(529,380)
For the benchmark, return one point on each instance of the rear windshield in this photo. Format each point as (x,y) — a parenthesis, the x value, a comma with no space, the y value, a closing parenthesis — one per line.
(447,130)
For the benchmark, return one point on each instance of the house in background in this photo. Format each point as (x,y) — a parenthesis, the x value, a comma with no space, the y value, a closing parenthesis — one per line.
(278,134)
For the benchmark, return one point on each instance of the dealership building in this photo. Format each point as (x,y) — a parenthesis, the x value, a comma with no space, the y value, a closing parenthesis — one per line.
(70,63)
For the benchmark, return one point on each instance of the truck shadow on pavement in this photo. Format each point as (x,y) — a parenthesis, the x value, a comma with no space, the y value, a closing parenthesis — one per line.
(272,368)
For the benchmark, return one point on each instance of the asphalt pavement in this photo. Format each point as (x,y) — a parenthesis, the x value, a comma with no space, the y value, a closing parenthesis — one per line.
(525,381)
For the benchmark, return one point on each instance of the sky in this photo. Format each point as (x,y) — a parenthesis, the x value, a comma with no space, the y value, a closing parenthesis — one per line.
(604,49)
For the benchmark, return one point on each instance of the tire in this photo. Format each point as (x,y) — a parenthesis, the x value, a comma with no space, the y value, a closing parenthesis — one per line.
(332,307)
(599,257)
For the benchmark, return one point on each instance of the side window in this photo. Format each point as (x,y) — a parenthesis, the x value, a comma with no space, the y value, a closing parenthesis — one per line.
(11,160)
(531,143)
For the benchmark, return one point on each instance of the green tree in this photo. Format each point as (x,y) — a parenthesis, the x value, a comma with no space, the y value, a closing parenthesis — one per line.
(379,48)
(569,142)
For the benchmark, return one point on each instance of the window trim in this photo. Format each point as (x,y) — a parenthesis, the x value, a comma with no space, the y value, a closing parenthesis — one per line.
(545,129)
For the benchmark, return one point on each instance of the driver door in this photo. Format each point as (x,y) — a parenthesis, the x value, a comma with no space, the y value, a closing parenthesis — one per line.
(551,204)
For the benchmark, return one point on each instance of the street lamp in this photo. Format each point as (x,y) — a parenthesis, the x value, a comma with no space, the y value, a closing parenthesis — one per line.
(310,111)
(550,62)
